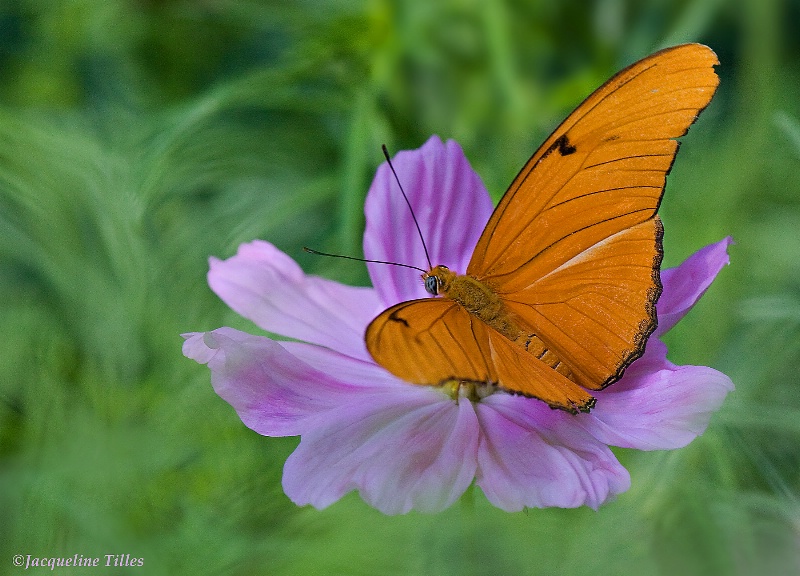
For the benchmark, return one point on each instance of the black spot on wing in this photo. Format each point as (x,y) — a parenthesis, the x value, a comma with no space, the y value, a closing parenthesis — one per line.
(562,145)
(395,318)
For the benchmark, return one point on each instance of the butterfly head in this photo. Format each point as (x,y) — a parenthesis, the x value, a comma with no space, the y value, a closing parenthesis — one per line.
(437,280)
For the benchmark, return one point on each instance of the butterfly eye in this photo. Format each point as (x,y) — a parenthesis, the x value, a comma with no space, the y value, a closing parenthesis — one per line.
(432,284)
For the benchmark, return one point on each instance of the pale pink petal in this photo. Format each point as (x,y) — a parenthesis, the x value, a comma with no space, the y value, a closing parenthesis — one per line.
(272,391)
(412,449)
(264,285)
(452,208)
(653,359)
(684,285)
(364,373)
(657,410)
(532,456)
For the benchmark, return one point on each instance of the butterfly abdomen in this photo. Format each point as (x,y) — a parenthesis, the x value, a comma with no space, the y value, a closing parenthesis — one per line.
(535,346)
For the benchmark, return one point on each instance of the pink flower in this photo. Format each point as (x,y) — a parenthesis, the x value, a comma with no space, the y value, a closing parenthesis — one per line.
(404,446)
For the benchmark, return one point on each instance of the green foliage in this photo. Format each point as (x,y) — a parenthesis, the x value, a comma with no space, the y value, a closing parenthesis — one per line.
(137,138)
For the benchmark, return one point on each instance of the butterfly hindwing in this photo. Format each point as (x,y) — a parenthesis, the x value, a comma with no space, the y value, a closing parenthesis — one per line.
(587,311)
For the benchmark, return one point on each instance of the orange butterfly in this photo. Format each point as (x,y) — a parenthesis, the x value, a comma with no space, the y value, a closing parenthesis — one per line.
(559,296)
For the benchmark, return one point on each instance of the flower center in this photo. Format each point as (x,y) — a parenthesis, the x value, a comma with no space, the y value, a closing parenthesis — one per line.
(469,389)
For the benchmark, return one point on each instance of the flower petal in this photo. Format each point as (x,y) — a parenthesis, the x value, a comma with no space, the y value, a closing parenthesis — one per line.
(657,409)
(264,285)
(362,373)
(272,391)
(684,285)
(411,449)
(452,208)
(532,456)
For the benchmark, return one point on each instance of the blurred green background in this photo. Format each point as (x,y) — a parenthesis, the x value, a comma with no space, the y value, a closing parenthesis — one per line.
(138,137)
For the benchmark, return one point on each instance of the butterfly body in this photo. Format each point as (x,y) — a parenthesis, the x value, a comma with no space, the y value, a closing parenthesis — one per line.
(560,293)
(474,296)
(483,303)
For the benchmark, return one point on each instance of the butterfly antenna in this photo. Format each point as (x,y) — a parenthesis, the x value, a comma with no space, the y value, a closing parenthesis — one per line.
(318,253)
(413,216)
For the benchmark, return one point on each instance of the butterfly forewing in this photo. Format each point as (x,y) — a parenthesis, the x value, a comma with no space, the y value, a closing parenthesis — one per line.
(429,341)
(435,341)
(605,165)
